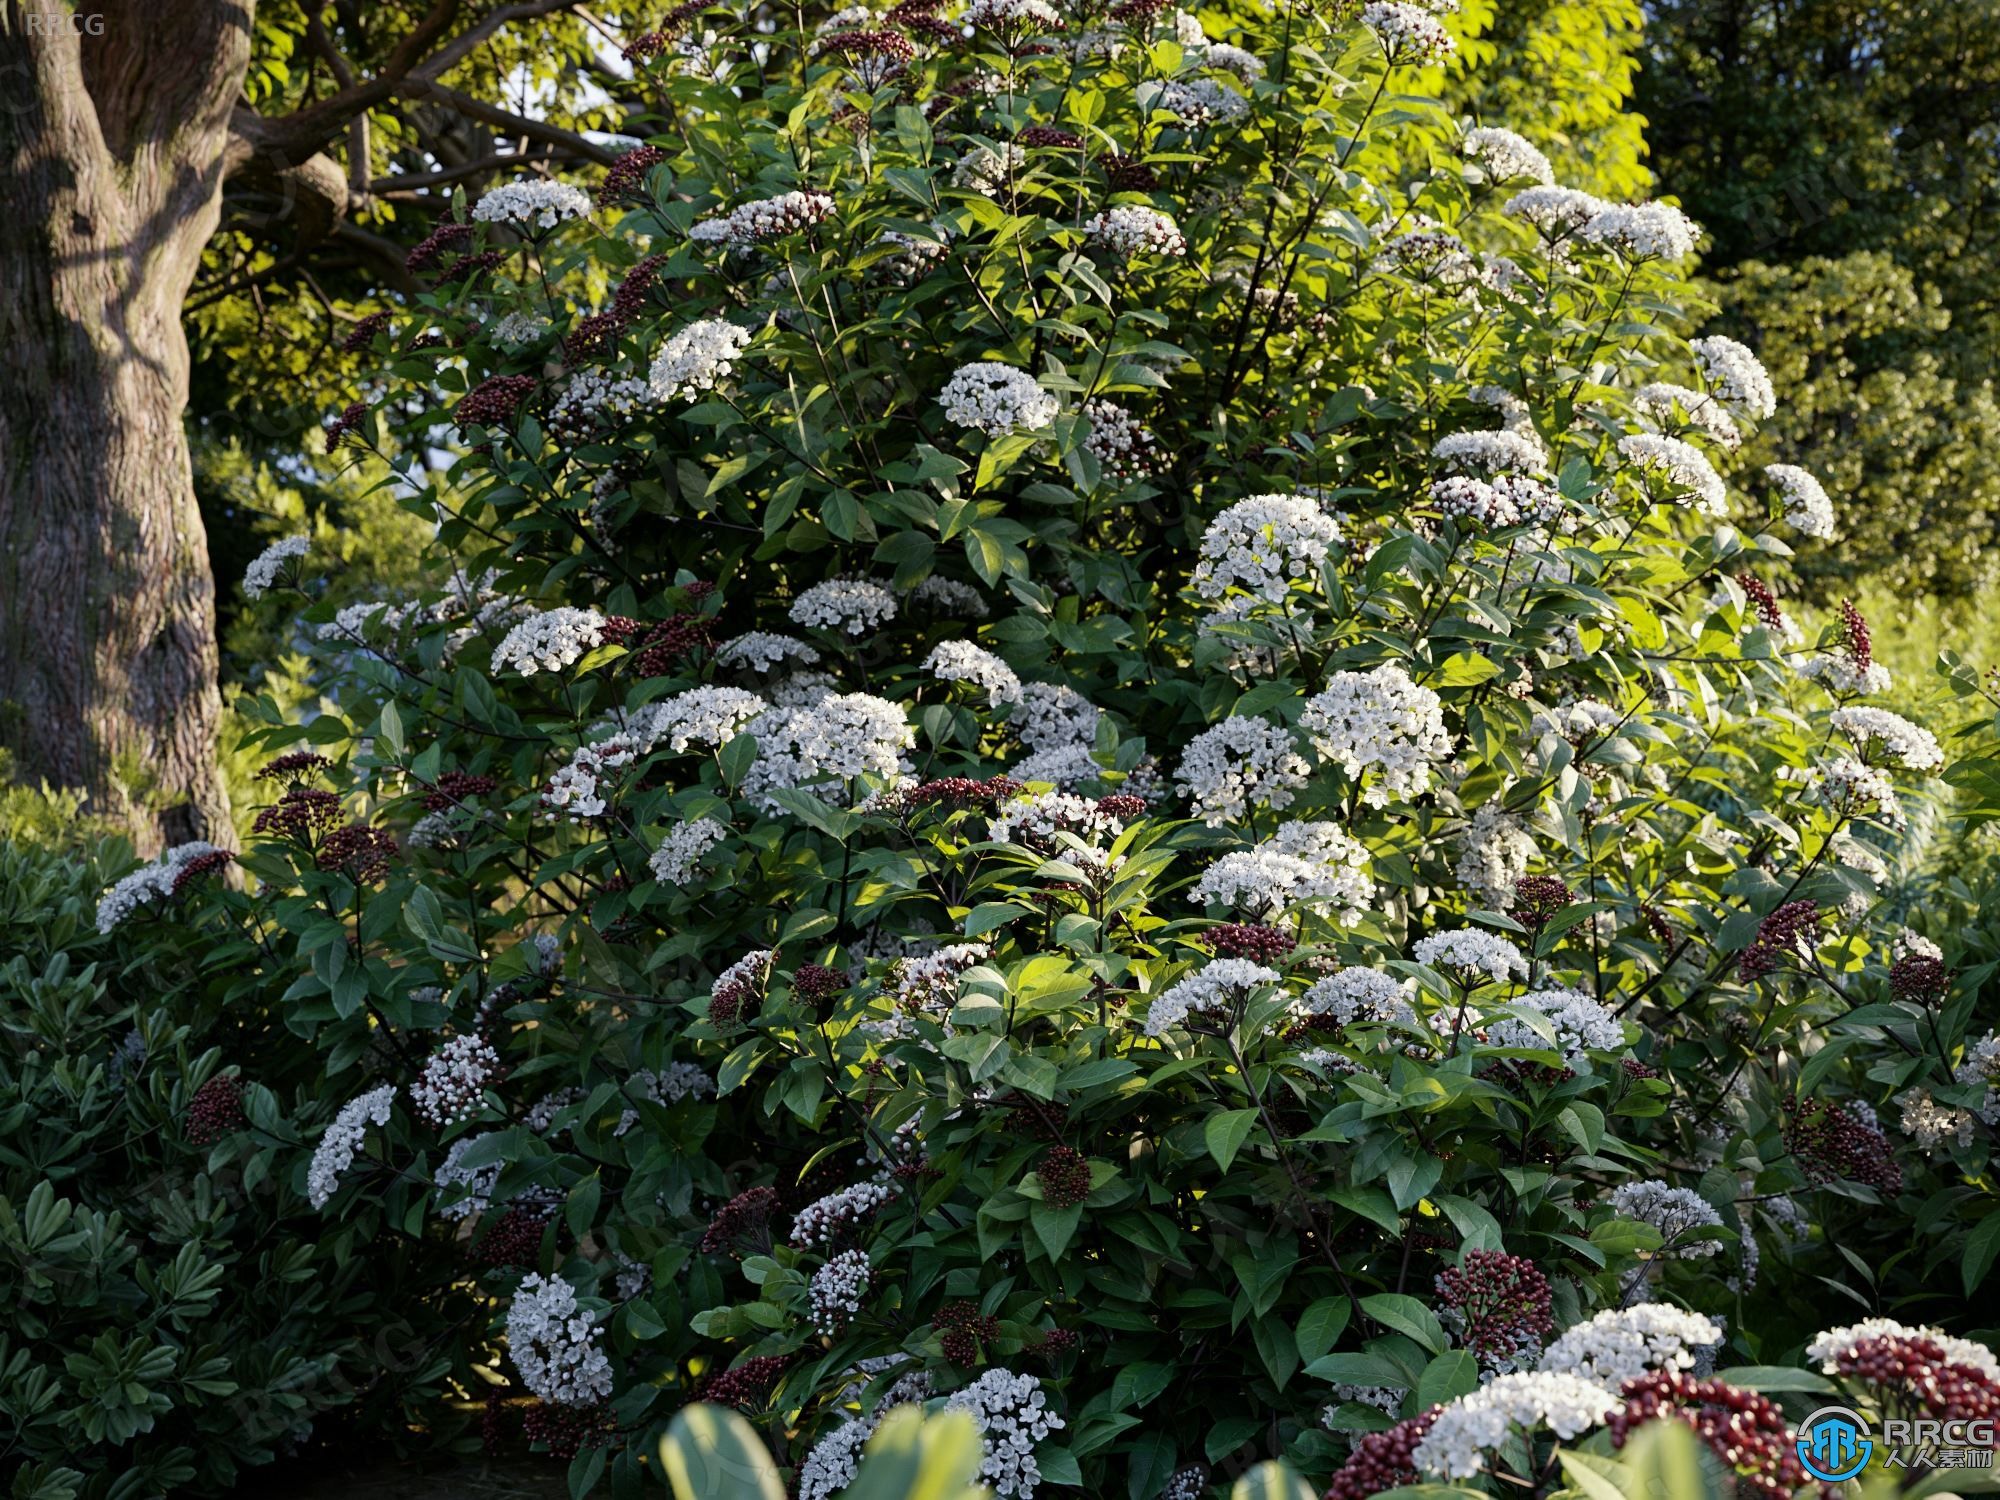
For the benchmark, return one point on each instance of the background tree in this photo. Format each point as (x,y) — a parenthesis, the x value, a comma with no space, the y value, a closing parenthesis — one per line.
(135,129)
(1841,154)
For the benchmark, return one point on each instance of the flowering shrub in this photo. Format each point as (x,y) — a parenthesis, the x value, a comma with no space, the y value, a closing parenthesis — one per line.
(1147,791)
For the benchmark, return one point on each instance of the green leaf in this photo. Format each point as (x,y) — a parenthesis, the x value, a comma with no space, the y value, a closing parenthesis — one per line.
(1981,1246)
(1271,1481)
(1406,1315)
(712,1453)
(1453,1373)
(1321,1325)
(1224,1134)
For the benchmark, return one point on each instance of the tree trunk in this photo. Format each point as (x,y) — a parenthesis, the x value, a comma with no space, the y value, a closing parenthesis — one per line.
(112,141)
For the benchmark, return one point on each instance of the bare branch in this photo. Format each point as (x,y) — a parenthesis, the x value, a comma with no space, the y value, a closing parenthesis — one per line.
(502,119)
(410,182)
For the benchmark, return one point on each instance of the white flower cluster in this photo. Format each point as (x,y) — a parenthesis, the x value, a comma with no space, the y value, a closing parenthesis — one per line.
(533,203)
(1623,1343)
(1050,715)
(579,788)
(997,399)
(1704,413)
(549,641)
(1840,675)
(1581,1025)
(1013,15)
(557,1347)
(1408,33)
(1929,1123)
(949,596)
(153,882)
(1911,747)
(1035,819)
(681,850)
(766,219)
(1504,156)
(702,718)
(1012,1415)
(1473,1426)
(1671,1210)
(596,400)
(825,1221)
(1360,995)
(1736,375)
(1691,478)
(831,1465)
(266,566)
(452,1085)
(834,740)
(1195,102)
(1643,231)
(1507,500)
(1123,446)
(1239,763)
(1807,507)
(929,981)
(838,1289)
(1383,721)
(1853,787)
(336,1150)
(1827,1347)
(1981,1065)
(854,606)
(986,171)
(1211,992)
(1471,951)
(1511,450)
(1130,230)
(476,1183)
(1304,867)
(670,1085)
(962,661)
(519,330)
(1494,853)
(1261,546)
(1554,213)
(761,650)
(697,358)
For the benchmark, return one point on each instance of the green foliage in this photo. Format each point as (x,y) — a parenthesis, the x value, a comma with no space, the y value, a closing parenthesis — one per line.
(686,1018)
(172,1318)
(1840,154)
(711,1453)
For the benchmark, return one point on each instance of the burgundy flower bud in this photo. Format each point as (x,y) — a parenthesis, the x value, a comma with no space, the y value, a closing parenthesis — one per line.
(749,1384)
(362,335)
(626,177)
(1498,1303)
(300,812)
(1781,933)
(1049,135)
(1537,899)
(1918,977)
(361,852)
(216,1110)
(514,1240)
(1830,1145)
(1382,1460)
(454,787)
(567,1430)
(746,1217)
(1251,940)
(1745,1430)
(1065,1177)
(493,402)
(964,1331)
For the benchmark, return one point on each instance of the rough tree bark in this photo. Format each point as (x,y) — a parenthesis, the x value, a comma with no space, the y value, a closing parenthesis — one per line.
(111,152)
(120,123)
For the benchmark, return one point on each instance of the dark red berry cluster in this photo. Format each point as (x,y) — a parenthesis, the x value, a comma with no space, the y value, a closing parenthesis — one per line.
(1854,637)
(566,1430)
(493,402)
(430,251)
(1778,935)
(299,765)
(1048,135)
(749,1384)
(301,812)
(514,1240)
(1500,1302)
(626,177)
(1830,1145)
(964,1331)
(1382,1460)
(215,1110)
(1759,594)
(1537,899)
(1743,1429)
(454,787)
(358,851)
(1251,940)
(1065,1177)
(202,864)
(747,1216)
(816,982)
(1916,1371)
(1918,977)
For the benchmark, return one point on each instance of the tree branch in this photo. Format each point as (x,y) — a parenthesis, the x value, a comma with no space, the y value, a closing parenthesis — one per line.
(501,119)
(410,182)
